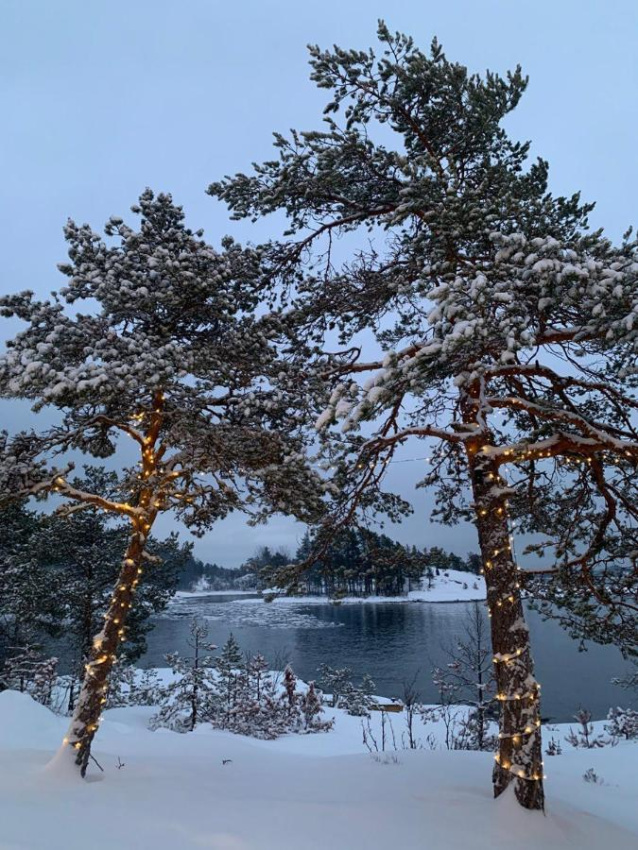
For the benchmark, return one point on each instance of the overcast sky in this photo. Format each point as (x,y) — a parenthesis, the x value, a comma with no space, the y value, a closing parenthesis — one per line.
(100,100)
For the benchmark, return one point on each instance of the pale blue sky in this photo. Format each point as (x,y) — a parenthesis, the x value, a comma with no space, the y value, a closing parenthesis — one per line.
(102,99)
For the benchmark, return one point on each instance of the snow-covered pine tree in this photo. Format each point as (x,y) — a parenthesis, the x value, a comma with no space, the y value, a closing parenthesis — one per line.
(191,696)
(153,343)
(130,685)
(28,671)
(254,708)
(257,674)
(83,553)
(355,699)
(622,723)
(584,735)
(31,604)
(479,278)
(336,681)
(290,697)
(251,701)
(311,707)
(232,677)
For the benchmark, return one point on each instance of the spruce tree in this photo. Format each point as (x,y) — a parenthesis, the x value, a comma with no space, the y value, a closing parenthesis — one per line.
(153,343)
(478,279)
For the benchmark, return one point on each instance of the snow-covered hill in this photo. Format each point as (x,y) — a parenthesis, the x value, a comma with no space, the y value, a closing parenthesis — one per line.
(449,586)
(174,792)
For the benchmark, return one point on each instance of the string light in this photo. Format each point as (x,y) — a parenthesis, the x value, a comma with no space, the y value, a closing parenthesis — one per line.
(532,695)
(507,659)
(519,771)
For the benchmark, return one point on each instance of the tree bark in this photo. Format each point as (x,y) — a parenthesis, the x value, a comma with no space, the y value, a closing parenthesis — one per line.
(93,695)
(519,757)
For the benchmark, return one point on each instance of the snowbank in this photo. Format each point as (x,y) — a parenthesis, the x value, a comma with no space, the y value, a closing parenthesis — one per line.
(449,586)
(174,792)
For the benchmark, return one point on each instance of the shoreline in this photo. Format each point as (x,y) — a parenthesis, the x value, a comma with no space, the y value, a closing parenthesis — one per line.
(324,600)
(449,586)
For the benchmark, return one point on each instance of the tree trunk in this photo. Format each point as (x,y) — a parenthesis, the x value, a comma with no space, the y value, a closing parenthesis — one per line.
(93,695)
(519,757)
(103,654)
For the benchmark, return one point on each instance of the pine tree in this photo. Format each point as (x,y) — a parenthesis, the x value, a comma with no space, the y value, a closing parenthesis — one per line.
(31,604)
(29,672)
(480,278)
(290,695)
(231,672)
(584,736)
(468,679)
(83,552)
(256,670)
(57,576)
(310,706)
(191,696)
(160,350)
(356,700)
(623,723)
(131,686)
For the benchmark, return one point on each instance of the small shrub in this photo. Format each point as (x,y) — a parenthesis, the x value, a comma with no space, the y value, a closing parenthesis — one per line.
(623,723)
(592,777)
(554,748)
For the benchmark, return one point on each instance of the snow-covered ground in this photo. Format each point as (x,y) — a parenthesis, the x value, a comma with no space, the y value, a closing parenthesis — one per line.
(449,586)
(174,792)
(190,594)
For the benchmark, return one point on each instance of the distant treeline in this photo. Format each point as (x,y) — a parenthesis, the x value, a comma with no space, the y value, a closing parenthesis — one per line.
(197,573)
(357,562)
(56,582)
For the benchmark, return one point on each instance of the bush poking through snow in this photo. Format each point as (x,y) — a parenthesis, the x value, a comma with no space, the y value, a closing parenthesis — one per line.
(623,723)
(584,737)
(187,699)
(592,777)
(554,748)
(131,686)
(237,694)
(356,700)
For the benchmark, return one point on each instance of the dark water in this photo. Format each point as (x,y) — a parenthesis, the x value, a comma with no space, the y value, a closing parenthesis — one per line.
(392,642)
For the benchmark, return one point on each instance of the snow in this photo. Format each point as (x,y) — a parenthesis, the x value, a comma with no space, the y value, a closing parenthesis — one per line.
(194,594)
(449,586)
(301,792)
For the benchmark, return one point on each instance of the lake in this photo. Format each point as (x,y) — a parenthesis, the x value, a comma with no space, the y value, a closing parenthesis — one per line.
(392,641)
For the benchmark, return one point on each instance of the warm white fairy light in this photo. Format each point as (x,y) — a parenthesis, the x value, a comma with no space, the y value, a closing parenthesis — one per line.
(528,699)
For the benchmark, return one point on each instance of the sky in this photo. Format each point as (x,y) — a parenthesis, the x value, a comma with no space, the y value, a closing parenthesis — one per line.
(100,100)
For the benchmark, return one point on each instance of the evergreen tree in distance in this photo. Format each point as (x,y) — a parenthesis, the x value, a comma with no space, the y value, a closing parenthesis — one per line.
(31,605)
(153,343)
(82,553)
(190,696)
(480,287)
(57,575)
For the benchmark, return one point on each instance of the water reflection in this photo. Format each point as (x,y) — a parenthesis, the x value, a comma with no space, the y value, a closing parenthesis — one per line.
(392,642)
